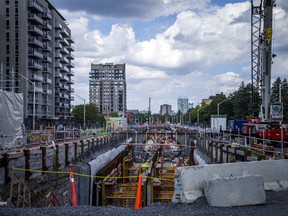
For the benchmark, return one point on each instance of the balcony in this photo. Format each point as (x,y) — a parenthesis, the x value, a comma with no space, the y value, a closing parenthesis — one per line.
(35,77)
(47,15)
(58,45)
(35,42)
(35,66)
(58,55)
(47,58)
(71,47)
(71,73)
(70,39)
(64,51)
(47,37)
(70,65)
(65,42)
(64,60)
(47,70)
(57,74)
(47,48)
(35,19)
(47,26)
(64,69)
(65,32)
(35,6)
(35,30)
(58,65)
(70,56)
(35,53)
(71,97)
(58,35)
(58,26)
(71,81)
(47,80)
(47,91)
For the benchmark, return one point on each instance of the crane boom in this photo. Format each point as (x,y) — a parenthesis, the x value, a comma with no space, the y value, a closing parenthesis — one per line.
(261,56)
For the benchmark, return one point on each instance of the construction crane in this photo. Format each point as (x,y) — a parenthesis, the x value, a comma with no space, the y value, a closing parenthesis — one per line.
(261,56)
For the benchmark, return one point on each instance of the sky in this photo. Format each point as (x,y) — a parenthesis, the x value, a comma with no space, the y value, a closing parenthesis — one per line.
(171,48)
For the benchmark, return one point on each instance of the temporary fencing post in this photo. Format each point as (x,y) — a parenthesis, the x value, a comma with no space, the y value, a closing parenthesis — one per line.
(73,188)
(138,200)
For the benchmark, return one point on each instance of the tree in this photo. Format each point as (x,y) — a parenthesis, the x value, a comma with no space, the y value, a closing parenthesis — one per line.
(91,114)
(276,85)
(240,101)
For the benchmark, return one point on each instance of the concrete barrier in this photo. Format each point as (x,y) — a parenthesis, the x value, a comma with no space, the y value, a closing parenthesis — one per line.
(235,191)
(189,180)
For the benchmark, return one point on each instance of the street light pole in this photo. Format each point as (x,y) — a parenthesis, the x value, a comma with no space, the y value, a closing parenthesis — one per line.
(198,116)
(220,104)
(84,117)
(34,97)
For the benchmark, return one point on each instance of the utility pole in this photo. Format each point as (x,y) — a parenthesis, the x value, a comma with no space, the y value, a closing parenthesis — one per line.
(84,117)
(149,111)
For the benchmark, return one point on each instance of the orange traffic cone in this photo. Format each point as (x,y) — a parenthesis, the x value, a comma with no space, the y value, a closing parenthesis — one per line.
(138,200)
(73,188)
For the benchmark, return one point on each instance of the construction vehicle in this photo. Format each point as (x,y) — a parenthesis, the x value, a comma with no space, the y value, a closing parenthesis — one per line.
(269,123)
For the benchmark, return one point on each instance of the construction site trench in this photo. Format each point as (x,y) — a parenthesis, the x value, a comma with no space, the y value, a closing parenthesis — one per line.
(106,172)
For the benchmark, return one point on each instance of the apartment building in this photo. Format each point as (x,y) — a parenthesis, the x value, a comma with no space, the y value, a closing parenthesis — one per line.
(165,109)
(36,56)
(107,87)
(183,104)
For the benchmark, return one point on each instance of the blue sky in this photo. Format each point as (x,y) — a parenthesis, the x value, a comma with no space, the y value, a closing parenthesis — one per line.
(172,48)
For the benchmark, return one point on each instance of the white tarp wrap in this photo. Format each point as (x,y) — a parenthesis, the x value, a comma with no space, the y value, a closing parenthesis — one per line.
(11,118)
(101,161)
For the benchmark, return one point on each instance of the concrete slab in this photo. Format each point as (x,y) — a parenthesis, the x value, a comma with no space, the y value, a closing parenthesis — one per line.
(235,191)
(189,180)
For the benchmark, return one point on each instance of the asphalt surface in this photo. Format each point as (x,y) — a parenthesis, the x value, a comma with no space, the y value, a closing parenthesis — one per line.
(277,204)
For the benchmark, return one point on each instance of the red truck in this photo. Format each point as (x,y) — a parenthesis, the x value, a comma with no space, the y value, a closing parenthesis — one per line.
(272,131)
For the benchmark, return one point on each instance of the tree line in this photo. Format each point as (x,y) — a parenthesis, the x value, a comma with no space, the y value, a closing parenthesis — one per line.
(237,105)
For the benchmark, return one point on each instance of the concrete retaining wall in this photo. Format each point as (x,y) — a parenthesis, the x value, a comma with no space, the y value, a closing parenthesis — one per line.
(189,180)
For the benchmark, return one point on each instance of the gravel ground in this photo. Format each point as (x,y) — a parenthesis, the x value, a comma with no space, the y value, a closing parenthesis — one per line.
(277,204)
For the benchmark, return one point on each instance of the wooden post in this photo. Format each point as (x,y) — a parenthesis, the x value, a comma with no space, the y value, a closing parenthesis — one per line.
(97,143)
(101,142)
(211,151)
(93,145)
(57,158)
(82,146)
(88,141)
(44,166)
(27,163)
(67,155)
(6,165)
(227,153)
(75,151)
(245,155)
(235,154)
(191,156)
(216,152)
(221,153)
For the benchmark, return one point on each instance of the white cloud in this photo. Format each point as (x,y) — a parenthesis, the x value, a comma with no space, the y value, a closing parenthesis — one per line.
(190,58)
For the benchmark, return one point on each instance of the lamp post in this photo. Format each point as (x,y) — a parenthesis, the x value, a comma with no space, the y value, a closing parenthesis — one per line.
(84,122)
(34,99)
(220,104)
